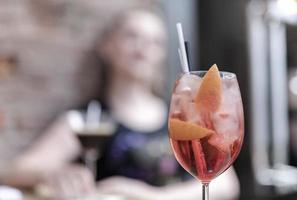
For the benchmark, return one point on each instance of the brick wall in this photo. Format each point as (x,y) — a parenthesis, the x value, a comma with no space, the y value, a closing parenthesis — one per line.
(43,45)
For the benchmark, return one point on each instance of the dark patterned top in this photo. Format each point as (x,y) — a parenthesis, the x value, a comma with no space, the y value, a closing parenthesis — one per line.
(143,156)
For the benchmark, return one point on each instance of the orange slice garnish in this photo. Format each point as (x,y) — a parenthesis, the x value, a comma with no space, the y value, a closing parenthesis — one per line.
(209,95)
(181,130)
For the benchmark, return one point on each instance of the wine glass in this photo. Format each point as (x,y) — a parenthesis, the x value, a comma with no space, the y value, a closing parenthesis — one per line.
(206,123)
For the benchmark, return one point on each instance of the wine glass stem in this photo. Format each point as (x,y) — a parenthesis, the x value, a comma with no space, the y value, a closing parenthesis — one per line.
(205,191)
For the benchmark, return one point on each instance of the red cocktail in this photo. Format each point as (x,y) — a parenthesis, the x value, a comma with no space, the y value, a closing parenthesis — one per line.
(206,122)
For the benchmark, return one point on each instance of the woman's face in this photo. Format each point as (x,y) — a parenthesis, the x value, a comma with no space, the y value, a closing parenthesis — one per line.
(137,47)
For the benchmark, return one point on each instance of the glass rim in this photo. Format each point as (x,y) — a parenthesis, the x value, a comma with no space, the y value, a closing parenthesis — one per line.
(224,74)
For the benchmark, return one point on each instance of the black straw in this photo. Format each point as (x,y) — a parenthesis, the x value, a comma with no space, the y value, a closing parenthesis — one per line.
(187,46)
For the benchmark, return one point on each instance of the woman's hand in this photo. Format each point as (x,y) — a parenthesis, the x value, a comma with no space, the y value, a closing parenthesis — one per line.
(129,188)
(70,182)
(225,187)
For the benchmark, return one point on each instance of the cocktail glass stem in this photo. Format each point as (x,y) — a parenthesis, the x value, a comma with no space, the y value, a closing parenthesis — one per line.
(205,191)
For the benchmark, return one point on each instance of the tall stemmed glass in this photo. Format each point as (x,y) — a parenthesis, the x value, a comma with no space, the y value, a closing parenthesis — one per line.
(206,123)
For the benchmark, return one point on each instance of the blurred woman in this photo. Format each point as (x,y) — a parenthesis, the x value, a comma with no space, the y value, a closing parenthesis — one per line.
(138,158)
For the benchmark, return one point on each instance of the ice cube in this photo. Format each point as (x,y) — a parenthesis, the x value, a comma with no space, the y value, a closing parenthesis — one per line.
(231,90)
(178,103)
(190,83)
(227,120)
(184,108)
(184,95)
(226,124)
(192,114)
(220,142)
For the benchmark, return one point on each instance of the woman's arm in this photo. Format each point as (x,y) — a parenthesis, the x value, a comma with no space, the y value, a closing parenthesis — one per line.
(225,187)
(54,149)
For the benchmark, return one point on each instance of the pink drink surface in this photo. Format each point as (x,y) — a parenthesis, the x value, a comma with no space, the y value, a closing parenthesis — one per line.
(209,156)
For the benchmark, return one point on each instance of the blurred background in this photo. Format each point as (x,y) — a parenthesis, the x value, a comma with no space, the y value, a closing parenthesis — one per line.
(48,68)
